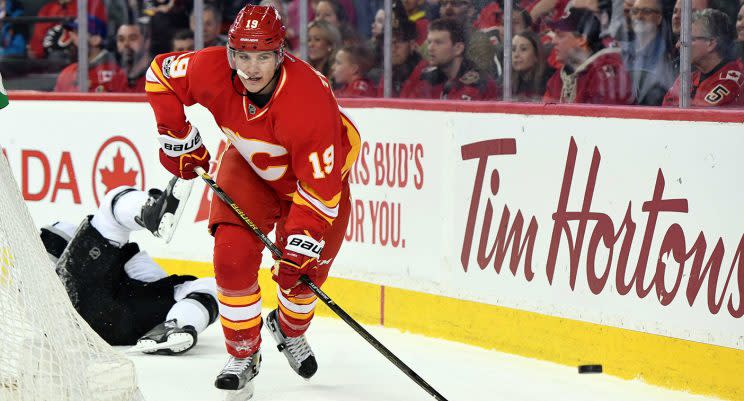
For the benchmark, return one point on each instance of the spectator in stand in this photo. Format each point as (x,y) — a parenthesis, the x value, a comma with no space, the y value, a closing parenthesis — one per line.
(103,73)
(450,74)
(406,59)
(648,57)
(739,44)
(378,24)
(293,24)
(333,13)
(212,17)
(366,10)
(491,21)
(697,5)
(590,73)
(12,35)
(545,11)
(322,41)
(182,41)
(163,18)
(417,14)
(132,47)
(530,70)
(349,72)
(59,8)
(480,50)
(718,78)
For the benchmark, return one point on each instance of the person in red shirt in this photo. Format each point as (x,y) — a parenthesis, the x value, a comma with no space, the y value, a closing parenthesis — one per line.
(59,8)
(104,75)
(290,151)
(590,74)
(417,15)
(718,78)
(449,74)
(349,72)
(132,46)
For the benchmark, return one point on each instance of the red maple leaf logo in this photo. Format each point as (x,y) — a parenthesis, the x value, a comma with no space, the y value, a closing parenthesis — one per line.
(118,177)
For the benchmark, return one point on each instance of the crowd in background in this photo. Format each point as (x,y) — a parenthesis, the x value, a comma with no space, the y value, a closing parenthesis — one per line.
(563,51)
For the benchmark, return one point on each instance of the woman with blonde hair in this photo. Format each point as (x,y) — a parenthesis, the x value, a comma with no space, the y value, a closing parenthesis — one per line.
(322,41)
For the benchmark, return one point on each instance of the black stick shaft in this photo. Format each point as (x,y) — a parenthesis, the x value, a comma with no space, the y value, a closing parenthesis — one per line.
(319,293)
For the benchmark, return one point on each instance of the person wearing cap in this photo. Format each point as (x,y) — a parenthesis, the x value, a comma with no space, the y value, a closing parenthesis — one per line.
(287,165)
(104,75)
(449,75)
(718,77)
(59,8)
(406,59)
(590,73)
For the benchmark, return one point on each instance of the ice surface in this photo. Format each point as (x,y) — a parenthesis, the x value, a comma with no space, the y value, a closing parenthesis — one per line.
(351,370)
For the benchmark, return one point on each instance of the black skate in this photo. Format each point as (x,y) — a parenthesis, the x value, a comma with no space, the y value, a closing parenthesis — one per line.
(161,212)
(295,349)
(237,377)
(166,339)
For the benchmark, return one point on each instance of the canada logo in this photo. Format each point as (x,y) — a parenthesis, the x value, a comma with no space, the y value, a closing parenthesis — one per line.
(117,163)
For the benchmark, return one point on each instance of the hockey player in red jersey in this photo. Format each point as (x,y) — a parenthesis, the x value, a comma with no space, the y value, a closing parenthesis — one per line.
(286,166)
(718,77)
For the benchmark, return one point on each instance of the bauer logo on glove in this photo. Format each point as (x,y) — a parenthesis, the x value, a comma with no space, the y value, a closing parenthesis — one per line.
(311,247)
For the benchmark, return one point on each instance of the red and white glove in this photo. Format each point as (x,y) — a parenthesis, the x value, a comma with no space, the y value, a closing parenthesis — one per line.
(300,258)
(181,155)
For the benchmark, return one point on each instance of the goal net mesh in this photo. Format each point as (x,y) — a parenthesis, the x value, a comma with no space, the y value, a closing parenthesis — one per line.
(47,351)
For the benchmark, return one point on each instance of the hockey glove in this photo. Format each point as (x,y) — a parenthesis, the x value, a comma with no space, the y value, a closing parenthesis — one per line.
(300,258)
(181,155)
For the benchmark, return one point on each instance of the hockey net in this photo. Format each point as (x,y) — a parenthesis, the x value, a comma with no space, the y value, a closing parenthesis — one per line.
(47,351)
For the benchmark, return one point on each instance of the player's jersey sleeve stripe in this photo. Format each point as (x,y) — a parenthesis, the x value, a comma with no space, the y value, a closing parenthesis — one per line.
(155,87)
(355,140)
(155,69)
(303,197)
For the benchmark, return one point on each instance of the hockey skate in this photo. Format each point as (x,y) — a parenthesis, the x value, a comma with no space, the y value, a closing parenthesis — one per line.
(166,339)
(237,377)
(161,212)
(295,349)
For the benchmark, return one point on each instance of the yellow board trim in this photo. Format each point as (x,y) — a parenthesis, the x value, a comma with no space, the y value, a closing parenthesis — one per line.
(663,361)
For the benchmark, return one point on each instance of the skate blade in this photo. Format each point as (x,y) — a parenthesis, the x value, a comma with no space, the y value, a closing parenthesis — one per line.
(173,341)
(244,394)
(167,227)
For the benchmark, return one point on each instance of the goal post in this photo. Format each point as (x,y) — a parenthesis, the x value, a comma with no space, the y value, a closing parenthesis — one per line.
(47,351)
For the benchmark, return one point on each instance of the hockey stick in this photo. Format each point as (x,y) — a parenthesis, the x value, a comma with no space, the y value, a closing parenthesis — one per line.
(322,295)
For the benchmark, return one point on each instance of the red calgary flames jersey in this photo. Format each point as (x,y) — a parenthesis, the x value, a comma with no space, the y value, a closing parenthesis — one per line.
(103,77)
(357,88)
(299,143)
(723,87)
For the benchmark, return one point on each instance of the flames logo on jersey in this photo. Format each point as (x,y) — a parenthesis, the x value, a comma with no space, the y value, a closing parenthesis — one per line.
(268,160)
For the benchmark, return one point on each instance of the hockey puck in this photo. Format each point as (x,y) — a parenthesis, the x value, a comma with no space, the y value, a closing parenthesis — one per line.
(590,369)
